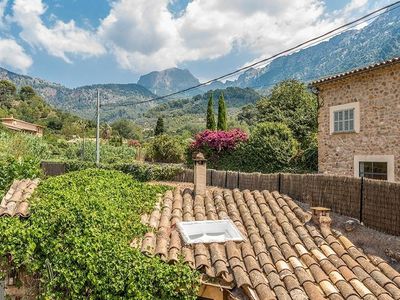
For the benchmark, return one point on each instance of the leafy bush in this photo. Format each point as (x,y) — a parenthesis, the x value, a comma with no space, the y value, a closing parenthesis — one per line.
(77,240)
(108,153)
(127,129)
(12,168)
(306,161)
(165,149)
(139,171)
(20,145)
(20,156)
(270,148)
(291,103)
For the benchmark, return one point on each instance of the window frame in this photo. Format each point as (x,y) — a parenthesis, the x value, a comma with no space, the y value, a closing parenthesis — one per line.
(343,108)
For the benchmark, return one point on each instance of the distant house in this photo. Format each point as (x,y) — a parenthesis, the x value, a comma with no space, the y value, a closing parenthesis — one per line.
(359,122)
(19,125)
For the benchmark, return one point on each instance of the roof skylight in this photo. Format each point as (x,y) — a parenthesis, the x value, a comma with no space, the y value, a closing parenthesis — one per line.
(219,231)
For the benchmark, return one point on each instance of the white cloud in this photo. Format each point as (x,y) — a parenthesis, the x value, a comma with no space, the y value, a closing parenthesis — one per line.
(14,56)
(355,5)
(142,35)
(145,36)
(60,40)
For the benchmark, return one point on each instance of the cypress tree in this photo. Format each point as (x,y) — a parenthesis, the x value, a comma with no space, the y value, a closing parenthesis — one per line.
(210,114)
(221,113)
(159,126)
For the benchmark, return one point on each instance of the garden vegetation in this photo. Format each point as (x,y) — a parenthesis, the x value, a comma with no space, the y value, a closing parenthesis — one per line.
(77,241)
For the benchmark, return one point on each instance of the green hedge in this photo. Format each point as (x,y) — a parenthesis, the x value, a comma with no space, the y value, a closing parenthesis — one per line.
(138,170)
(12,168)
(77,240)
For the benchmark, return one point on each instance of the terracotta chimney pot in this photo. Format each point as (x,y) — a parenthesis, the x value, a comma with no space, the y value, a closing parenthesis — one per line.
(320,216)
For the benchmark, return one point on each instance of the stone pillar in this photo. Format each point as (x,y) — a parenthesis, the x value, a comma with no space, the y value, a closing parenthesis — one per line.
(200,174)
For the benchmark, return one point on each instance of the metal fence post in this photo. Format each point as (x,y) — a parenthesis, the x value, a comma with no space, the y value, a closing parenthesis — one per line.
(361,199)
(279,182)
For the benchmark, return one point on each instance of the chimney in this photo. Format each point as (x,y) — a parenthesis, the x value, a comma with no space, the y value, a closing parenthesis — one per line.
(320,216)
(200,174)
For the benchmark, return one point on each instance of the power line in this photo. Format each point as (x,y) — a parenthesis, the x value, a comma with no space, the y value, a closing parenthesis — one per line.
(370,15)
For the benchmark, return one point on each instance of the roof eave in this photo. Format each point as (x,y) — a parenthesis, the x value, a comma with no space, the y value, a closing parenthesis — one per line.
(357,71)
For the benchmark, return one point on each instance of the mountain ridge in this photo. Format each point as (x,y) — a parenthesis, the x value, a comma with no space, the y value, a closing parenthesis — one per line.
(377,41)
(168,81)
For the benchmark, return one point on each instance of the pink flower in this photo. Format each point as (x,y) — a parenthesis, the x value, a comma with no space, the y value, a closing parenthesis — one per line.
(219,140)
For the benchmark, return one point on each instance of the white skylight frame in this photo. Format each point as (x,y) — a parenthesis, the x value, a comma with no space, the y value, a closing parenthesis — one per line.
(210,231)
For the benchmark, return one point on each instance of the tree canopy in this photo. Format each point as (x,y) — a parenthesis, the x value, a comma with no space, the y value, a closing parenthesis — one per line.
(291,103)
(210,114)
(222,124)
(127,129)
(159,130)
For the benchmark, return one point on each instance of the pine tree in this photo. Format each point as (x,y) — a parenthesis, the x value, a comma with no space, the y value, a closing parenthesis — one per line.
(159,126)
(221,113)
(210,114)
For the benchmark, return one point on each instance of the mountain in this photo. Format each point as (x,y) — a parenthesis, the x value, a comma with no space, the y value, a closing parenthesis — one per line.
(81,100)
(168,81)
(378,41)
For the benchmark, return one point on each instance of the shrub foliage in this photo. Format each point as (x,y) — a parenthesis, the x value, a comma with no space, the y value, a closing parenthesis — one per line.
(166,149)
(270,148)
(78,240)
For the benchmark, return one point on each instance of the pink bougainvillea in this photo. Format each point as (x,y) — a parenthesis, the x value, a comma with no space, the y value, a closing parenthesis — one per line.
(219,140)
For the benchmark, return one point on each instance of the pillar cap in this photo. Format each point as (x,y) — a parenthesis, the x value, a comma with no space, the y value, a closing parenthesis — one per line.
(199,157)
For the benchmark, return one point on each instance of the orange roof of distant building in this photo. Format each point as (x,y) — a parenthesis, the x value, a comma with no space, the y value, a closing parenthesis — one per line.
(20,123)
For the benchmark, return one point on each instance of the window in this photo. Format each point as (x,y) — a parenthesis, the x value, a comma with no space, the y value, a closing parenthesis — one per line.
(374,170)
(209,231)
(344,120)
(374,166)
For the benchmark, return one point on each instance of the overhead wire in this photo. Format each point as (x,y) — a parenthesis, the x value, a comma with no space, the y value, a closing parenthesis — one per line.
(374,14)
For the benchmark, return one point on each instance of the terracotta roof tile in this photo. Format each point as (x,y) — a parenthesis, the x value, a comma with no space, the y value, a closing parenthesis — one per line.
(282,257)
(16,201)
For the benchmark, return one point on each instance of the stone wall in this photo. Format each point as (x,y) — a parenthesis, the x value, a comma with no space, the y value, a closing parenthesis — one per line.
(378,92)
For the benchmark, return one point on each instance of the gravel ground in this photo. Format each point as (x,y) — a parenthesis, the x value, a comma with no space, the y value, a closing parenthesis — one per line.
(368,240)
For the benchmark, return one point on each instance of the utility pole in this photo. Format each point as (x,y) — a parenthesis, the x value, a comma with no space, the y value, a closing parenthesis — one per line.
(98,129)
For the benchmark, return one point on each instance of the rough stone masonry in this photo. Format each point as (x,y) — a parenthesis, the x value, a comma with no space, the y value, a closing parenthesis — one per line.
(376,89)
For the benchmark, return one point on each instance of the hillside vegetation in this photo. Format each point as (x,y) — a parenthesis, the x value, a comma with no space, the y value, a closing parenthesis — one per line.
(25,104)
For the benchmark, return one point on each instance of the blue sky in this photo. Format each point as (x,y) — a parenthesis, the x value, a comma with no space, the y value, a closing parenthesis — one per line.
(81,42)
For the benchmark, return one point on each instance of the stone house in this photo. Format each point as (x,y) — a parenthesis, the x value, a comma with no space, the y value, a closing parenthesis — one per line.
(359,122)
(22,126)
